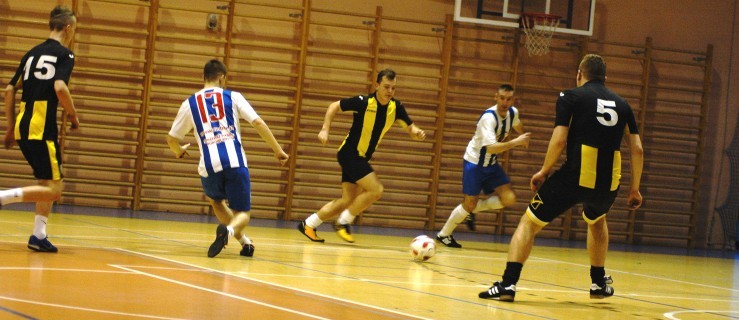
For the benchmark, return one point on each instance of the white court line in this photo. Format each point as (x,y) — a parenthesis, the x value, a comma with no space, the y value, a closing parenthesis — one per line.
(671,315)
(275,284)
(217,292)
(88,309)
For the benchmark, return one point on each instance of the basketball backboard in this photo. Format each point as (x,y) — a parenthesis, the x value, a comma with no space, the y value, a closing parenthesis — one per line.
(577,16)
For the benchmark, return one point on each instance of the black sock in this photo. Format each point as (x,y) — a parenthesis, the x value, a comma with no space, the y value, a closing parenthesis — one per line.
(512,273)
(597,274)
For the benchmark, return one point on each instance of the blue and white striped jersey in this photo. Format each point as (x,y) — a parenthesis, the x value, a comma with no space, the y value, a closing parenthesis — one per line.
(214,114)
(491,128)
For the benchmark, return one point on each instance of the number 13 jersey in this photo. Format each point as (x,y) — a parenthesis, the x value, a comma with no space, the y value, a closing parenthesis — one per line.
(214,114)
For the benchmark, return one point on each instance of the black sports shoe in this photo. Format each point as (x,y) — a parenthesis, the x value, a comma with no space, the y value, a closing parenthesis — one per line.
(598,292)
(497,291)
(220,242)
(247,250)
(41,245)
(448,241)
(470,220)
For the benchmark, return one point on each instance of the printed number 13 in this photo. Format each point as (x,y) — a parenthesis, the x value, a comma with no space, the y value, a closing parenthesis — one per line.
(217,105)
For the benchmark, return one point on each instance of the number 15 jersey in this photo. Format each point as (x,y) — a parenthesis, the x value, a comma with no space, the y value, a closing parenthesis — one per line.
(39,69)
(214,114)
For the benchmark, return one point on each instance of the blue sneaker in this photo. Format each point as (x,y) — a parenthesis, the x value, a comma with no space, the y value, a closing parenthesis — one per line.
(220,242)
(41,245)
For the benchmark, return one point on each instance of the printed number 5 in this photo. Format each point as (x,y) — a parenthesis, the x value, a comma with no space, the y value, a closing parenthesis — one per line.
(603,108)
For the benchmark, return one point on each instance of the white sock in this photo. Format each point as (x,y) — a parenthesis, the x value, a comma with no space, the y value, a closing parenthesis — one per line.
(244,240)
(491,203)
(230,231)
(11,196)
(458,215)
(346,217)
(313,221)
(39,227)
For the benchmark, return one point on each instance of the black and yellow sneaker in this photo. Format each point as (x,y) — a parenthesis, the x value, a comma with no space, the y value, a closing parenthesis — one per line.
(344,231)
(309,232)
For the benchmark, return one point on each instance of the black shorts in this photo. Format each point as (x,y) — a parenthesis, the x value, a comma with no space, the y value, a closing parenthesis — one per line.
(45,158)
(353,167)
(561,191)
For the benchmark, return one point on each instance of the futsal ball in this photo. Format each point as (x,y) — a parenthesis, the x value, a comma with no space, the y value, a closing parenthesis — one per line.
(422,248)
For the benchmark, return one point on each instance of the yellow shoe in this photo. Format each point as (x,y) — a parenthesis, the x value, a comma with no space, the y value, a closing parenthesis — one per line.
(309,232)
(344,232)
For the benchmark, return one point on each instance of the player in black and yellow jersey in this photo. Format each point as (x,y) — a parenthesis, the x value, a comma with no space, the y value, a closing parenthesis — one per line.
(43,75)
(374,114)
(591,121)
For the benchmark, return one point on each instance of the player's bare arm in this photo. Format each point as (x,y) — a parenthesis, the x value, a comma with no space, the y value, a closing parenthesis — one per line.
(10,116)
(180,151)
(266,134)
(415,132)
(499,147)
(331,112)
(65,99)
(634,199)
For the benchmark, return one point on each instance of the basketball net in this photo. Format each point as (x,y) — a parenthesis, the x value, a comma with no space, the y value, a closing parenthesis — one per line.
(539,28)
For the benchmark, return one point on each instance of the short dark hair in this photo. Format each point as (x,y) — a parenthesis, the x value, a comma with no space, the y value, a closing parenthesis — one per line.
(593,67)
(506,87)
(213,69)
(60,17)
(387,73)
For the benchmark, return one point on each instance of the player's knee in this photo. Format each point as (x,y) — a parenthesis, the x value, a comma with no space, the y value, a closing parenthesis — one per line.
(508,199)
(377,192)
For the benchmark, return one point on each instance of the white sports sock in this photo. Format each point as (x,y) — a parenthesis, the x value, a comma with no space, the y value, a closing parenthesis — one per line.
(458,215)
(39,226)
(230,231)
(313,221)
(244,240)
(11,196)
(346,217)
(491,203)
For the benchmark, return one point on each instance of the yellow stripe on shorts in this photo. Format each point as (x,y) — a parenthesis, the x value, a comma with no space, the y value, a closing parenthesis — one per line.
(616,179)
(55,173)
(18,118)
(38,121)
(588,166)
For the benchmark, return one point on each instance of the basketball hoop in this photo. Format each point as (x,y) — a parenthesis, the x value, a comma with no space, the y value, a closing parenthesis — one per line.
(538,28)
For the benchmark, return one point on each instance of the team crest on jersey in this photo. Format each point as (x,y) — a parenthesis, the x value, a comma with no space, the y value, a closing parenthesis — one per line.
(536,201)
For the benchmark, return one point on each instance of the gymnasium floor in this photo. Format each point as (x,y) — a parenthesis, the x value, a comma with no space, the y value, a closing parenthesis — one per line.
(120,265)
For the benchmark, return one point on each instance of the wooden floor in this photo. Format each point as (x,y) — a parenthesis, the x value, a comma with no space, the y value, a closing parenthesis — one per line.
(124,268)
